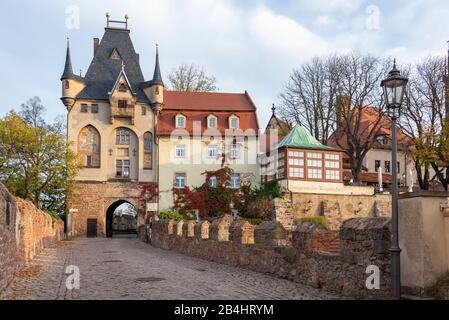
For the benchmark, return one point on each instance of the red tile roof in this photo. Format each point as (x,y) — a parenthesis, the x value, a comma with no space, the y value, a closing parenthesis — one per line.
(197,106)
(210,101)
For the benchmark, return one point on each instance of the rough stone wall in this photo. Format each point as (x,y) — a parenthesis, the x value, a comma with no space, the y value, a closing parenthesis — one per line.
(337,208)
(363,241)
(91,200)
(30,230)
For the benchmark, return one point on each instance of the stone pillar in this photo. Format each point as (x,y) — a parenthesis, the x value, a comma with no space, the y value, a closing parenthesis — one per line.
(282,212)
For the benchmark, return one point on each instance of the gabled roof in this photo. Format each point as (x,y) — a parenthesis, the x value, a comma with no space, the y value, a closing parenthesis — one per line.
(122,73)
(103,71)
(299,137)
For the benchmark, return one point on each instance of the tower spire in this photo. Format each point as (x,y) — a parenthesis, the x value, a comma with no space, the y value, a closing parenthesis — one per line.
(68,70)
(157,78)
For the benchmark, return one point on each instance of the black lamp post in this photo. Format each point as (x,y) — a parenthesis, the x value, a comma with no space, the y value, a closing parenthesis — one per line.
(394,89)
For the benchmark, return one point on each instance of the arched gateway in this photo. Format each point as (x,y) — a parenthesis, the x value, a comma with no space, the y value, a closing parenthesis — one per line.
(121,219)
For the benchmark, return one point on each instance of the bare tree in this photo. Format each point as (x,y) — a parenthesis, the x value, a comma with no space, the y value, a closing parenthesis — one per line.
(309,97)
(192,78)
(424,113)
(361,115)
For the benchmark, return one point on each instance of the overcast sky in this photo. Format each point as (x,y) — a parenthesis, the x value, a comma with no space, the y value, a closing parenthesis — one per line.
(248,45)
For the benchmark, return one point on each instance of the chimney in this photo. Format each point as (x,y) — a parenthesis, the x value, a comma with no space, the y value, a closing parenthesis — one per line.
(343,106)
(96,44)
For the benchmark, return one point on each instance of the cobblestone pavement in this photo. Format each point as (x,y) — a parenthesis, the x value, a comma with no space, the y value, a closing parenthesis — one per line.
(125,268)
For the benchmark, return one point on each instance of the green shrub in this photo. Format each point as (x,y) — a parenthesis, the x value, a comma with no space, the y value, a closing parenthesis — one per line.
(170,215)
(189,215)
(254,221)
(270,189)
(317,219)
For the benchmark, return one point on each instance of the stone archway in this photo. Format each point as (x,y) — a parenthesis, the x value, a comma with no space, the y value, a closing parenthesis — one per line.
(111,226)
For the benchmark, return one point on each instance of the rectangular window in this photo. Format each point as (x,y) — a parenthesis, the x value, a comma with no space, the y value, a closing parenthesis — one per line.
(95,108)
(335,157)
(399,167)
(83,108)
(315,173)
(122,103)
(122,168)
(377,165)
(119,168)
(180,180)
(213,182)
(315,163)
(235,151)
(314,155)
(180,122)
(89,161)
(387,166)
(333,164)
(296,172)
(235,181)
(212,122)
(212,151)
(297,154)
(332,175)
(234,123)
(144,110)
(296,162)
(180,151)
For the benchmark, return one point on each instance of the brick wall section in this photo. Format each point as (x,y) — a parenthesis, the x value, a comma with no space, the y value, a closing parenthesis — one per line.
(364,242)
(30,230)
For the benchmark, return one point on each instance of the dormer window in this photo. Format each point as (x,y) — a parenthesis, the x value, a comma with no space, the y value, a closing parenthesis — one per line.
(115,55)
(122,88)
(383,139)
(233,122)
(212,122)
(180,121)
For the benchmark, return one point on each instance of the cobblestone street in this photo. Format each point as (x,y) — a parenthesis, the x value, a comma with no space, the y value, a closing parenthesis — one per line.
(125,268)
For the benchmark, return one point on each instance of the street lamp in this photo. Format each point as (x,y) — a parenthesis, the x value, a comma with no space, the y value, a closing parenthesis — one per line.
(394,89)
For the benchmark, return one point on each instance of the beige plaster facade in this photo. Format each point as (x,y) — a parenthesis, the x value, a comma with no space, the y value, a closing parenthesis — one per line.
(424,240)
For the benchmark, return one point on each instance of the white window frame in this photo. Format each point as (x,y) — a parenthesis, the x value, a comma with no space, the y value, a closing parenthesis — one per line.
(212,117)
(215,153)
(180,151)
(233,180)
(231,118)
(213,182)
(180,176)
(235,151)
(178,117)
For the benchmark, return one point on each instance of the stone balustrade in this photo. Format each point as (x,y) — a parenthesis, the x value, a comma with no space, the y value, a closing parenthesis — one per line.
(306,259)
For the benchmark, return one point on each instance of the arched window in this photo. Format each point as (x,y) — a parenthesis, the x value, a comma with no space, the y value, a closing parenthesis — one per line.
(233,122)
(89,146)
(212,122)
(123,88)
(148,149)
(122,136)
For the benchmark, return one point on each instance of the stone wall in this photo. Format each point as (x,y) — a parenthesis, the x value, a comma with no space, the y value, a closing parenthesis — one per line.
(336,208)
(91,200)
(363,242)
(23,234)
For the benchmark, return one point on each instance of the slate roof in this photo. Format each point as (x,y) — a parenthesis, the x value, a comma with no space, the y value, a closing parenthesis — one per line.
(103,71)
(299,137)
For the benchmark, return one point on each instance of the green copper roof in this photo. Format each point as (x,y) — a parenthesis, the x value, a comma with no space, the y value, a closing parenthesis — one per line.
(299,137)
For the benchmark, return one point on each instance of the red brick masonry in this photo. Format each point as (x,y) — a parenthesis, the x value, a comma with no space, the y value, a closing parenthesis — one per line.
(299,256)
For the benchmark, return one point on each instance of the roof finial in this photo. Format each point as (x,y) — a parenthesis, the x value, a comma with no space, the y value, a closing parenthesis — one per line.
(273,108)
(123,65)
(394,63)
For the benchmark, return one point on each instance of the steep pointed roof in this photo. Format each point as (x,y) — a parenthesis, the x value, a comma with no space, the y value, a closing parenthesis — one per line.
(157,77)
(104,69)
(299,137)
(68,69)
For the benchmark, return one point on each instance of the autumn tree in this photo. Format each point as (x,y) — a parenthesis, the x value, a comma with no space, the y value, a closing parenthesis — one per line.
(192,78)
(35,161)
(423,117)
